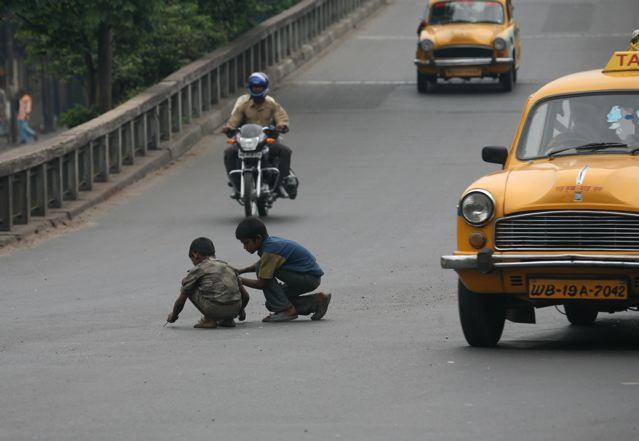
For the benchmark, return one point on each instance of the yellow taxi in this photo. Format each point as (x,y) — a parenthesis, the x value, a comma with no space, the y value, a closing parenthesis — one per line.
(468,39)
(559,225)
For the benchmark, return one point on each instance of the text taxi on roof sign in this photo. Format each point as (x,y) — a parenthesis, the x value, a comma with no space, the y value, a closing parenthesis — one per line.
(559,225)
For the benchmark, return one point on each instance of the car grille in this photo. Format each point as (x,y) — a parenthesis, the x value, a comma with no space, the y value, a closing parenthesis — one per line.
(568,230)
(464,52)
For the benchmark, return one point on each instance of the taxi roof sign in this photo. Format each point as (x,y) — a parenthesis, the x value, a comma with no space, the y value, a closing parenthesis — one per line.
(628,60)
(623,62)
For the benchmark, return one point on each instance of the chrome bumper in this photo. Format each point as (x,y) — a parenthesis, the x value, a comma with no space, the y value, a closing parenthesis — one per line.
(463,62)
(486,262)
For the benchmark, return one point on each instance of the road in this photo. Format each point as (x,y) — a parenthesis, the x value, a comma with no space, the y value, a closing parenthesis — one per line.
(84,356)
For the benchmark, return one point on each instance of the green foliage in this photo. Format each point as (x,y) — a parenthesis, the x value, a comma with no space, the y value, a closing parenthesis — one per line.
(236,16)
(76,115)
(180,35)
(151,38)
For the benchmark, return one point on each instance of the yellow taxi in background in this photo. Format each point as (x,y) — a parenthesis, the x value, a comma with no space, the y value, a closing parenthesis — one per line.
(468,39)
(559,225)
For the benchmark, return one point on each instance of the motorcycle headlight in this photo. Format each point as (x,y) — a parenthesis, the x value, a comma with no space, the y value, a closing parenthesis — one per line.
(499,44)
(249,143)
(426,45)
(477,207)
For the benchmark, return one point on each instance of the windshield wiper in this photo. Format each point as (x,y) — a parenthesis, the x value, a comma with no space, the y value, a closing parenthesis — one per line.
(590,146)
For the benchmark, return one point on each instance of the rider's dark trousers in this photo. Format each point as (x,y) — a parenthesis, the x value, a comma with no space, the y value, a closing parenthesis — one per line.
(276,150)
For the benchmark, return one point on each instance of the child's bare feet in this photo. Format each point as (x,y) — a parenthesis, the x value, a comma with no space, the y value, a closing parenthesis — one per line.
(205,323)
(227,323)
(322,306)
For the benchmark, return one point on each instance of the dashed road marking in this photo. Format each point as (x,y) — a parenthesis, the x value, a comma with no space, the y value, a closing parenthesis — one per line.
(399,82)
(354,83)
(544,36)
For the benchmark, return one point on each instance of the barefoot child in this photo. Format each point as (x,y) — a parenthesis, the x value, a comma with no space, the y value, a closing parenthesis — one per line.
(289,262)
(213,287)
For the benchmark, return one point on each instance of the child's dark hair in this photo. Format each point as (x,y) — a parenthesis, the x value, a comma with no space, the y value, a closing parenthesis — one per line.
(250,228)
(203,246)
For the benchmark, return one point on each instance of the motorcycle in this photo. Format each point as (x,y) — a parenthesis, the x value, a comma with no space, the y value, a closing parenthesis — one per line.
(259,176)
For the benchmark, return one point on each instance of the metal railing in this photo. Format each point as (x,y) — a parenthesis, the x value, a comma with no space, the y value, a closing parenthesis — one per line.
(35,179)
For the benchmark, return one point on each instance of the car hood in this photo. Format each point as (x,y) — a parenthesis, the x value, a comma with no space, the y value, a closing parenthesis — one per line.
(602,182)
(463,34)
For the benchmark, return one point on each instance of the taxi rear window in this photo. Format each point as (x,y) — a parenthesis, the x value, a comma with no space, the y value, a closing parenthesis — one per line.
(466,11)
(572,121)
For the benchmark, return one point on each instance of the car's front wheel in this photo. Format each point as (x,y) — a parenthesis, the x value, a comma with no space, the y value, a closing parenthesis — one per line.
(507,80)
(580,315)
(482,317)
(425,82)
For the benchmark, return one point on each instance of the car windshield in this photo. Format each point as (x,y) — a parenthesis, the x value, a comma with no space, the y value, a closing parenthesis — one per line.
(606,122)
(466,11)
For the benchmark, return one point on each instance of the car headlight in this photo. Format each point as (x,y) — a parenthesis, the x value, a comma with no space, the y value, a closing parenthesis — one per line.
(477,207)
(426,45)
(249,143)
(499,44)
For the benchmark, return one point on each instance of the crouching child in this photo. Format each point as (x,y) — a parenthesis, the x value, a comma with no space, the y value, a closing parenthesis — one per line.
(213,288)
(285,261)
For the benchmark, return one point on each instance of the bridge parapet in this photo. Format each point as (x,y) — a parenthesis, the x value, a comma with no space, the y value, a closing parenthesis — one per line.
(39,178)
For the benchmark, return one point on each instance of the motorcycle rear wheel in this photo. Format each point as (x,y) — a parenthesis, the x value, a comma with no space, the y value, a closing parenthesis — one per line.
(262,209)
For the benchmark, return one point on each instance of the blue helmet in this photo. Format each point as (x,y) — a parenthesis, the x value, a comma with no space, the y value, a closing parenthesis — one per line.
(258,79)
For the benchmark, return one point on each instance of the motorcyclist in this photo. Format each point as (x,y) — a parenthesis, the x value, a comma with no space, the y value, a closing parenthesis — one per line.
(258,108)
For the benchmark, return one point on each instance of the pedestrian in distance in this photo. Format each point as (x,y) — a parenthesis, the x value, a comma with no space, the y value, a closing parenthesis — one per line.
(286,261)
(213,288)
(25,106)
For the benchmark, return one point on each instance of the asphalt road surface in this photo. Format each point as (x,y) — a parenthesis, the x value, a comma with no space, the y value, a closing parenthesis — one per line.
(84,356)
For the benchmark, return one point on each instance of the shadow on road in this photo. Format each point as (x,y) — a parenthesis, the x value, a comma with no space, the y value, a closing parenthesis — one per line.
(467,89)
(232,220)
(608,334)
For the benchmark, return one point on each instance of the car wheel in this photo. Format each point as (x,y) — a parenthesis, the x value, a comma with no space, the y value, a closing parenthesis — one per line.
(425,82)
(507,80)
(482,317)
(580,315)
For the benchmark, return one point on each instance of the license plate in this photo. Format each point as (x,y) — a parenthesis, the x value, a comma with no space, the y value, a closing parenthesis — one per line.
(469,72)
(242,154)
(612,289)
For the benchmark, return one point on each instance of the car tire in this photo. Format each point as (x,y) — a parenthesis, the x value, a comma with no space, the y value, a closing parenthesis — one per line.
(425,82)
(482,317)
(507,80)
(580,315)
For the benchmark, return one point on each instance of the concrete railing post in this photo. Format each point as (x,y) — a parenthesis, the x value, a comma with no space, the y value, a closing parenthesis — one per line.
(39,191)
(54,183)
(6,203)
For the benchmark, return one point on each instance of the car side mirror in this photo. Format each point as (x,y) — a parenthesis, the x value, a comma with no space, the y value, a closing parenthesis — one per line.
(494,155)
(421,27)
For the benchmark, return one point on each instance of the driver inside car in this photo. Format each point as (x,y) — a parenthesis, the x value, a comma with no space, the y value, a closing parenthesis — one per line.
(623,121)
(258,108)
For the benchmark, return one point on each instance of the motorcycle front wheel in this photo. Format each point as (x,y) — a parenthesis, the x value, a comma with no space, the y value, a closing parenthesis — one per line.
(250,205)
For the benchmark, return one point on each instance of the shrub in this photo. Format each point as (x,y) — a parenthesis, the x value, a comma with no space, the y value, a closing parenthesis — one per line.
(77,115)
